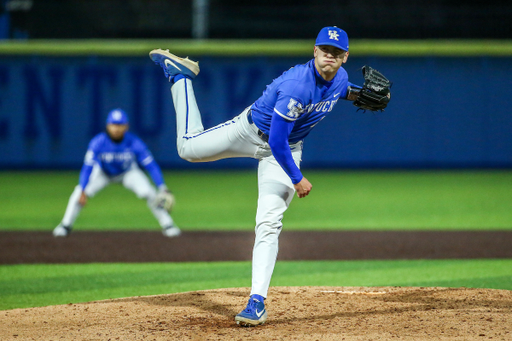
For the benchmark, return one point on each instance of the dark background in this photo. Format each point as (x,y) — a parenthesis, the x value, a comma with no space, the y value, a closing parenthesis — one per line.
(265,19)
(446,111)
(442,113)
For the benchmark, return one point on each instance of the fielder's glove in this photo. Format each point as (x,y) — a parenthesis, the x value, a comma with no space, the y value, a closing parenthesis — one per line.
(164,199)
(375,94)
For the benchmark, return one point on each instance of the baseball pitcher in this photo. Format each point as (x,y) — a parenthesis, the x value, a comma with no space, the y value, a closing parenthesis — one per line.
(272,130)
(116,156)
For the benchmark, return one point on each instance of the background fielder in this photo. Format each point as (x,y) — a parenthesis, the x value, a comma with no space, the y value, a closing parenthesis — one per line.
(115,156)
(271,130)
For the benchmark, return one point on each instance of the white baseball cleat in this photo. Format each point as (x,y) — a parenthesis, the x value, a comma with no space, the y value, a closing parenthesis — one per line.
(174,65)
(171,231)
(61,231)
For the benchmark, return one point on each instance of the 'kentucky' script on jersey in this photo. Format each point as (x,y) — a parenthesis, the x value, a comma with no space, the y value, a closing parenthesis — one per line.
(301,95)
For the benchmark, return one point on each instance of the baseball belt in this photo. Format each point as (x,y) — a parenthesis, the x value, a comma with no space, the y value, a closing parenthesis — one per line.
(261,134)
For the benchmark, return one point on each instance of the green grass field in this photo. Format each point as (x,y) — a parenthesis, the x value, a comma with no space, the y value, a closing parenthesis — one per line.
(379,200)
(40,285)
(341,200)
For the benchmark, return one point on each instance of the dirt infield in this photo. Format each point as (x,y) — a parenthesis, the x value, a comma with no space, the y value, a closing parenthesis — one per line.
(86,247)
(295,313)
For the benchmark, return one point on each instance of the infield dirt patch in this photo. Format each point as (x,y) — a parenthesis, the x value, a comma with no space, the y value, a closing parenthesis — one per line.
(203,246)
(295,313)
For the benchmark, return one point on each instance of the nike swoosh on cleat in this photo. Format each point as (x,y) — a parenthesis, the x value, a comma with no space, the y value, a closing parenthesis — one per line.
(260,313)
(167,62)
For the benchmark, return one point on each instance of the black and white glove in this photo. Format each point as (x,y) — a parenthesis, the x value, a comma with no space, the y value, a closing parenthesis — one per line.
(164,199)
(375,94)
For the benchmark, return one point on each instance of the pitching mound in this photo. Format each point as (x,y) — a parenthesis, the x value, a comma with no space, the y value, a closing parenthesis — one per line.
(295,313)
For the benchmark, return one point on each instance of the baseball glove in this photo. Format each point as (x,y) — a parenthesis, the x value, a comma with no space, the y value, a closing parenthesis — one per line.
(164,199)
(375,94)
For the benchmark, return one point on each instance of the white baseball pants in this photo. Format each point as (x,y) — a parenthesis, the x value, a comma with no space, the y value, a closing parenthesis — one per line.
(239,138)
(134,179)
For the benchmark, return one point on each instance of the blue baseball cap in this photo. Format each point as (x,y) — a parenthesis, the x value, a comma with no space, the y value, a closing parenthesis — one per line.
(117,116)
(333,36)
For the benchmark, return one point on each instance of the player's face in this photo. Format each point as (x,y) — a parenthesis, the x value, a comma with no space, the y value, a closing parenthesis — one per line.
(117,131)
(328,60)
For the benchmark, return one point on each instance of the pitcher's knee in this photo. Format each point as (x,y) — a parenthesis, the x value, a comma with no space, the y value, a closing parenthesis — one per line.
(187,155)
(268,227)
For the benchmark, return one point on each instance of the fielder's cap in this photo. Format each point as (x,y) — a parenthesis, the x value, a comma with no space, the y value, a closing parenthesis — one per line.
(333,36)
(117,116)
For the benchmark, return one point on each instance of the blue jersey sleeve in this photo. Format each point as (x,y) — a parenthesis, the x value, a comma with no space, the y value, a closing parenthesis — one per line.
(289,108)
(354,86)
(280,129)
(85,173)
(91,157)
(155,172)
(146,160)
(289,103)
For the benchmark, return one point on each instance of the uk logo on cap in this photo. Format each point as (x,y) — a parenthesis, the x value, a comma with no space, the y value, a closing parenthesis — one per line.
(117,116)
(333,36)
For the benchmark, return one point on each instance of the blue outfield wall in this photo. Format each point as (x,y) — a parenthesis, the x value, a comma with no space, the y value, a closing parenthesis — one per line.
(445,112)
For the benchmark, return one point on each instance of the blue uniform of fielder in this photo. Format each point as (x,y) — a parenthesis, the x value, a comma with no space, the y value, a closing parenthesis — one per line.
(271,130)
(117,156)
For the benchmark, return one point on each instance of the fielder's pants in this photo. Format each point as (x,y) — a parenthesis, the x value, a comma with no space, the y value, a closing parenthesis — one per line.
(133,179)
(238,138)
